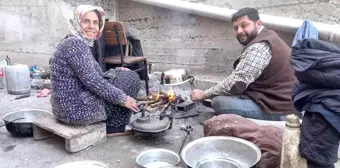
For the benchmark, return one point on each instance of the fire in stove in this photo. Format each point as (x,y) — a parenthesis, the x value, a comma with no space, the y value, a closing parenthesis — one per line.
(158,100)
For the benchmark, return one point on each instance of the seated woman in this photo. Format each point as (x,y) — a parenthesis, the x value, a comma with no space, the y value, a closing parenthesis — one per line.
(81,95)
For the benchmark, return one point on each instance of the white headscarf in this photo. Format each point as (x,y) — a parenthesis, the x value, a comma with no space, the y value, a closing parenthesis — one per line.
(79,12)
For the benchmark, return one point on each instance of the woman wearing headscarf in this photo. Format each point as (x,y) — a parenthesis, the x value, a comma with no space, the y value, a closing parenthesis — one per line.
(81,95)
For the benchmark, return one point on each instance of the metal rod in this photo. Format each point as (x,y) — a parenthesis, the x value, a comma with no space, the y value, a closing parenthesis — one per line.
(192,89)
(187,129)
(183,142)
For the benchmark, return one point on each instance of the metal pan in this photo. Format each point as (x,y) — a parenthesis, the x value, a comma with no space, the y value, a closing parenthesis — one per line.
(19,123)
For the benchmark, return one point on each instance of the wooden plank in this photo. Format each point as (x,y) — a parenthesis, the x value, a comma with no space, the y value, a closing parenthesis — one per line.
(66,131)
(127,59)
(95,137)
(113,41)
(110,26)
(112,34)
(40,133)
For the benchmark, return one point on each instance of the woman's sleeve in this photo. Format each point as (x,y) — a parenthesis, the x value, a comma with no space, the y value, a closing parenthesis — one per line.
(83,67)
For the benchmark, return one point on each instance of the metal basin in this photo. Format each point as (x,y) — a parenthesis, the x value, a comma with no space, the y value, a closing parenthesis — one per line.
(157,158)
(84,164)
(223,151)
(19,123)
(217,163)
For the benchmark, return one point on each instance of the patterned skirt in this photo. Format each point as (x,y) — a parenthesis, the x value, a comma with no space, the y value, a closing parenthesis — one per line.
(129,82)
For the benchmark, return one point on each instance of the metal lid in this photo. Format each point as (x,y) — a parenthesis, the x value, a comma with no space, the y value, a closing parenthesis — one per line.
(152,126)
(84,164)
(292,121)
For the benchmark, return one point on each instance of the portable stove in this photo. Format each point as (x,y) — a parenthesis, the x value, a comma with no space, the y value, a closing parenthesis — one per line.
(147,125)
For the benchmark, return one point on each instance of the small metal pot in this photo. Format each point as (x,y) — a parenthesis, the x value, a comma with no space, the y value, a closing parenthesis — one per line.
(174,77)
(19,123)
(157,158)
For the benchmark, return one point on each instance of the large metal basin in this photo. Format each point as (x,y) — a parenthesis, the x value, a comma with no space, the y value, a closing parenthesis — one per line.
(221,152)
(19,123)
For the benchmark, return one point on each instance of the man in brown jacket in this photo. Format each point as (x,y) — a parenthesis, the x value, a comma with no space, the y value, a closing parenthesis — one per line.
(260,86)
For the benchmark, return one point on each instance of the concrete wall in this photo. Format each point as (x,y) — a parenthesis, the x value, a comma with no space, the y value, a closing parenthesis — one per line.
(325,11)
(173,39)
(30,29)
(205,46)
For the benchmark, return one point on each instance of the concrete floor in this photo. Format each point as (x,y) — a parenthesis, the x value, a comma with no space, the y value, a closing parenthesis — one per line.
(117,152)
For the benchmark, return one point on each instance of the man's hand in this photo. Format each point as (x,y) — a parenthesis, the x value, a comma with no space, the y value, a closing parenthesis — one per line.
(197,95)
(131,104)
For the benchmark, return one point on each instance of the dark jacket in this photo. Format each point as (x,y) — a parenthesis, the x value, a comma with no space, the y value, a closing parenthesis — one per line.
(316,66)
(273,89)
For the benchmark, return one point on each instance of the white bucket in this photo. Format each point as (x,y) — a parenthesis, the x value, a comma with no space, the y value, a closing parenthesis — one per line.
(18,79)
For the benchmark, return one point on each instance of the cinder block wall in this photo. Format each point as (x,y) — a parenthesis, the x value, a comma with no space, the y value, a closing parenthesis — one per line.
(174,39)
(179,40)
(206,46)
(31,29)
(325,11)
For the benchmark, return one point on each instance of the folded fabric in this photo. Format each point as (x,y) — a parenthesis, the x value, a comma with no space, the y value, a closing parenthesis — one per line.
(267,138)
(44,93)
(307,30)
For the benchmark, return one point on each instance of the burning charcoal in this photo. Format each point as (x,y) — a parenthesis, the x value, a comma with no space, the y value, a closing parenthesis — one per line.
(157,96)
(157,104)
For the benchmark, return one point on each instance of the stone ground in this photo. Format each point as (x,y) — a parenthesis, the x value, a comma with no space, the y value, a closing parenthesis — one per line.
(117,152)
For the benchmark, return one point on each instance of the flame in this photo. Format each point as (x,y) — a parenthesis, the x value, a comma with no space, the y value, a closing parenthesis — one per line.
(158,95)
(171,95)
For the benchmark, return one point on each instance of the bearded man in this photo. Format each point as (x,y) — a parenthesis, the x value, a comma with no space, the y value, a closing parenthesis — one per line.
(260,86)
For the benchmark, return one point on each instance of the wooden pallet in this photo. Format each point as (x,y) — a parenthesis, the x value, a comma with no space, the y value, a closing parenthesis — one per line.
(77,138)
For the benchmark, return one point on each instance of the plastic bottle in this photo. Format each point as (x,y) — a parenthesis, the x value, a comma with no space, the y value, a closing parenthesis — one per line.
(290,154)
(2,74)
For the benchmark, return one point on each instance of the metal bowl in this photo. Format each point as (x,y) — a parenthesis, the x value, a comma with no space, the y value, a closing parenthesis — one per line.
(217,163)
(19,123)
(157,158)
(223,151)
(84,164)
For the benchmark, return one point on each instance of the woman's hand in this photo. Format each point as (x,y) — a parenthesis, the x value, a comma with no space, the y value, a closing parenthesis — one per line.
(131,104)
(124,69)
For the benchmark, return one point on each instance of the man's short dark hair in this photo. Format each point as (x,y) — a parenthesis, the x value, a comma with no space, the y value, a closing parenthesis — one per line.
(252,14)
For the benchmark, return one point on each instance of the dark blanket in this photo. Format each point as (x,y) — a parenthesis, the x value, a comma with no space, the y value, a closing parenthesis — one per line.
(319,141)
(316,65)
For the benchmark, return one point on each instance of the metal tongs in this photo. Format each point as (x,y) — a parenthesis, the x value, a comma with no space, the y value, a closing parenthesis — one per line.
(197,103)
(8,60)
